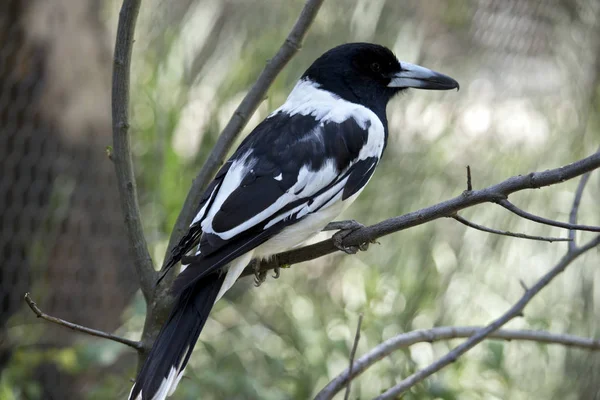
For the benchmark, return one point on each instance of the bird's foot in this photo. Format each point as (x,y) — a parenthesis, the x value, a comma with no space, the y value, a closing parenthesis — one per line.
(344,229)
(260,276)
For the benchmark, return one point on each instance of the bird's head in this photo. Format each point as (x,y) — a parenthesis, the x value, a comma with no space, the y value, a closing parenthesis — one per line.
(371,75)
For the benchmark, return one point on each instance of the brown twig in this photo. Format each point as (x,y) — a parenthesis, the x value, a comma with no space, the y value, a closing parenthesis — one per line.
(575,208)
(352,355)
(524,214)
(240,117)
(447,208)
(121,155)
(481,334)
(469,183)
(446,333)
(40,314)
(507,233)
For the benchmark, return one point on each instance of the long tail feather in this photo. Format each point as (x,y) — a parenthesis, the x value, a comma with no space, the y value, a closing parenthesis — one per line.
(164,366)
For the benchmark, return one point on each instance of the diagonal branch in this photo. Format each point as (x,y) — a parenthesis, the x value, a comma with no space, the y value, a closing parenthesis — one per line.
(481,334)
(491,194)
(240,117)
(352,355)
(122,150)
(507,233)
(446,333)
(575,208)
(524,214)
(40,314)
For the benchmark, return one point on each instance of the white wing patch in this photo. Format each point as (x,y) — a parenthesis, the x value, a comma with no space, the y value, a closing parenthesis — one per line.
(308,183)
(202,211)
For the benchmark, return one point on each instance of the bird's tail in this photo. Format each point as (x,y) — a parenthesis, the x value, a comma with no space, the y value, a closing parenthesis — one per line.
(164,366)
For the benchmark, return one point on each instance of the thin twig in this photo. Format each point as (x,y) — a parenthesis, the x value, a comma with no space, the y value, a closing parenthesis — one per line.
(240,117)
(121,154)
(447,333)
(40,314)
(481,334)
(575,208)
(521,213)
(507,233)
(352,355)
(469,183)
(444,209)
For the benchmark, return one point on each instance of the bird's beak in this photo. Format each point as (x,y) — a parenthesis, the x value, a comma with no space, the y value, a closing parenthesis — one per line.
(415,76)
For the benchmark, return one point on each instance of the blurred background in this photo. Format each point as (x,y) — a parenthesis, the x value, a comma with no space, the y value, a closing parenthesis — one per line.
(529,100)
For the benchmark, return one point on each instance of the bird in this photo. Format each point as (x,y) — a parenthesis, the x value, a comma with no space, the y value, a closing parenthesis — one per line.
(292,175)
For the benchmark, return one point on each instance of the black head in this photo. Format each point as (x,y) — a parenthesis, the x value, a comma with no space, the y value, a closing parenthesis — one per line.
(370,74)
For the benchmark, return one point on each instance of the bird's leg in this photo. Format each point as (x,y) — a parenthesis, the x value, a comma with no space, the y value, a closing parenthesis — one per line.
(344,228)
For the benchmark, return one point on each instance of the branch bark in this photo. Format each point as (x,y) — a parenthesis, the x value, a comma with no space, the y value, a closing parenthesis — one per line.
(575,208)
(535,218)
(352,355)
(40,314)
(121,155)
(446,333)
(482,228)
(448,208)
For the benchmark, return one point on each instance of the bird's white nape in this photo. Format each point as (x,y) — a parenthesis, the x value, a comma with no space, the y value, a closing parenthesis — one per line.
(308,98)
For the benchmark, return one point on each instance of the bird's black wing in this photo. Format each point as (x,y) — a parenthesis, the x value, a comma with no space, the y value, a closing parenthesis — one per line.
(286,169)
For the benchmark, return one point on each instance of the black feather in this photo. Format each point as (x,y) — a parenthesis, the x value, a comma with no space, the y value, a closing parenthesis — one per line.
(178,336)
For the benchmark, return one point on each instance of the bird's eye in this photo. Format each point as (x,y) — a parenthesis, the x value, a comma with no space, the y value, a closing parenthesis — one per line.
(375,67)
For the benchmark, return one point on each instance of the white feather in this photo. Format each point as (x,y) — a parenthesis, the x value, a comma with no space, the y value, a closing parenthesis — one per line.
(307,98)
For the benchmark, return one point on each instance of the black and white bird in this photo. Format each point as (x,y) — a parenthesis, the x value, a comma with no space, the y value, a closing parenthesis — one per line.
(296,172)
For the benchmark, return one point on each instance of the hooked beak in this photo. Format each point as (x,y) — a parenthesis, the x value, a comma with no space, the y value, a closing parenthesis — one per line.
(415,76)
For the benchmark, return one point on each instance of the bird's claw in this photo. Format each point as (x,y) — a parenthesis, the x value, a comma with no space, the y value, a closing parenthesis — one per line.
(261,276)
(346,228)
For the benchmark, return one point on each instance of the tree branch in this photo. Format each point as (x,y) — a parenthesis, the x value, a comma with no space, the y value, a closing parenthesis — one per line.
(481,334)
(121,155)
(507,233)
(575,208)
(524,214)
(240,117)
(491,194)
(40,314)
(352,355)
(446,333)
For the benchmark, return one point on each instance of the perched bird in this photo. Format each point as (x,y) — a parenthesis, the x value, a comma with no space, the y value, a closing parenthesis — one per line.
(296,172)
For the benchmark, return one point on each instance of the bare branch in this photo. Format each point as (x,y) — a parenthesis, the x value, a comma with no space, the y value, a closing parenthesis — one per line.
(446,333)
(507,233)
(352,355)
(492,194)
(575,208)
(40,314)
(521,213)
(121,155)
(240,117)
(481,334)
(469,183)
